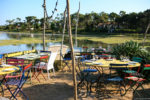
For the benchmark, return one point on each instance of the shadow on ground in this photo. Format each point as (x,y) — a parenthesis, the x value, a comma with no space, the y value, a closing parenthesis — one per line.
(56,91)
(142,95)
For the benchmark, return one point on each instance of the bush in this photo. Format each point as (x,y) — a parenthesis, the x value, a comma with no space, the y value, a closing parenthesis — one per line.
(129,49)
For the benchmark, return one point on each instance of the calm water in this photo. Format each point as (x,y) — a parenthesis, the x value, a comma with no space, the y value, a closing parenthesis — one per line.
(39,46)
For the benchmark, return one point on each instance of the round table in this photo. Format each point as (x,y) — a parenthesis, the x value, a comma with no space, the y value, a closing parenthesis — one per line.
(7,69)
(107,62)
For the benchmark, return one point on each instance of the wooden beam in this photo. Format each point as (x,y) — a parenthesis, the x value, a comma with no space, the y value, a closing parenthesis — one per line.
(44,24)
(72,51)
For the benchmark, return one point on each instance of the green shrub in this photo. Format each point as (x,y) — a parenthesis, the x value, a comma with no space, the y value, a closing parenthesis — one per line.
(129,49)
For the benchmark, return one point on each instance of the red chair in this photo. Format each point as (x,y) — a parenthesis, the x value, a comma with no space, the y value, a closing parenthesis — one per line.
(19,82)
(16,62)
(38,68)
(138,78)
(46,63)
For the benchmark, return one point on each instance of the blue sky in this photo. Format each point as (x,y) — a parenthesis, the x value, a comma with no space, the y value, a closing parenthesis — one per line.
(11,9)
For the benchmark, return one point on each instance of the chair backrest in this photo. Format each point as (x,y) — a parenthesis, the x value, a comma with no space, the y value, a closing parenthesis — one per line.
(117,67)
(51,60)
(15,62)
(26,68)
(137,59)
(44,58)
(1,56)
(146,67)
(13,54)
(25,75)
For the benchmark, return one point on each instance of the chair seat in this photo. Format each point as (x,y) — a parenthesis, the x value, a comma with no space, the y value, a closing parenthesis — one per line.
(129,71)
(41,65)
(90,70)
(14,82)
(133,78)
(67,58)
(115,79)
(92,78)
(9,76)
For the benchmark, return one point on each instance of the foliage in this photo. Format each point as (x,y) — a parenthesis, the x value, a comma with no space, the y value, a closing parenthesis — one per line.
(89,22)
(129,49)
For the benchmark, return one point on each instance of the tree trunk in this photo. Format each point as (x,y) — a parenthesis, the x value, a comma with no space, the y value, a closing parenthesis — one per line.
(62,41)
(72,51)
(145,35)
(76,42)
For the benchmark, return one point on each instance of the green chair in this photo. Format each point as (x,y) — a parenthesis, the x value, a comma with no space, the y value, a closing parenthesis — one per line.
(136,59)
(138,79)
(146,71)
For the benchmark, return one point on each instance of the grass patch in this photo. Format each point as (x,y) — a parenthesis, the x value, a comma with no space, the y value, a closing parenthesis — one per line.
(112,39)
(24,41)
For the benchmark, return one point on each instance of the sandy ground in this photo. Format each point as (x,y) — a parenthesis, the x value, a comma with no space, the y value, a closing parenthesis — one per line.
(60,87)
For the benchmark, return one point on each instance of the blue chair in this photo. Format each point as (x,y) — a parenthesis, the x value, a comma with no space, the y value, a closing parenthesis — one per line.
(1,56)
(19,82)
(87,76)
(117,77)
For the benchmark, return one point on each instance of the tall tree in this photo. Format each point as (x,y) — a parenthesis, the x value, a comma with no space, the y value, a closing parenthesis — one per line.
(30,21)
(113,16)
(122,13)
(10,22)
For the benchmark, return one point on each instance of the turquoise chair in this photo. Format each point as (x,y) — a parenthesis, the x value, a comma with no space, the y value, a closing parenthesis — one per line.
(136,59)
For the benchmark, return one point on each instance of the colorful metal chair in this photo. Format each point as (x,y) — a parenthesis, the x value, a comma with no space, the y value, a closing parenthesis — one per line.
(117,77)
(45,64)
(16,62)
(136,59)
(19,82)
(138,79)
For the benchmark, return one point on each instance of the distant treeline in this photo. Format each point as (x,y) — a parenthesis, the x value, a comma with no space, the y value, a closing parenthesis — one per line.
(89,22)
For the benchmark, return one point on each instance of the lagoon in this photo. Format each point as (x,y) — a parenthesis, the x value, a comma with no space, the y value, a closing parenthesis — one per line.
(39,46)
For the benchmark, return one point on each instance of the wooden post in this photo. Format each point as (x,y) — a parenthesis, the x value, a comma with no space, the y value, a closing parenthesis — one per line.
(62,41)
(72,51)
(44,6)
(146,34)
(76,42)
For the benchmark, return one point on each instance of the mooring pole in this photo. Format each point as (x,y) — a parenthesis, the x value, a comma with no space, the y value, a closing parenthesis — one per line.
(72,51)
